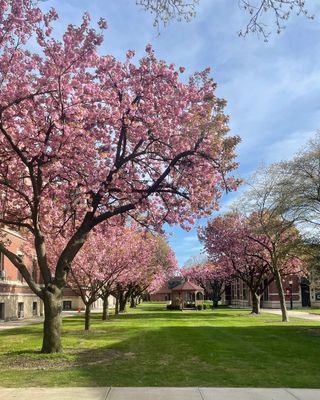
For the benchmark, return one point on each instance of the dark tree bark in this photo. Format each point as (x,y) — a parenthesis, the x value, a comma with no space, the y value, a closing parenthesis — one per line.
(52,299)
(215,303)
(105,310)
(87,317)
(133,303)
(116,309)
(122,302)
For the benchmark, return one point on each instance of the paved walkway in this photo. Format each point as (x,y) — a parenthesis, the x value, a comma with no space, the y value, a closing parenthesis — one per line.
(158,394)
(295,314)
(29,321)
(19,322)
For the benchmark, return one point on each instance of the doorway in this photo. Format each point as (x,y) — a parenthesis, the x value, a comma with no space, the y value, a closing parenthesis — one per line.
(2,311)
(305,293)
(20,310)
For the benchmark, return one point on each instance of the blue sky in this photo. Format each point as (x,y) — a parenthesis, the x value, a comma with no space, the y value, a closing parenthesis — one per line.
(272,89)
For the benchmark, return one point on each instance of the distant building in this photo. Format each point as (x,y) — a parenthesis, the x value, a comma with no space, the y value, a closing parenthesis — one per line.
(299,290)
(165,292)
(71,301)
(296,290)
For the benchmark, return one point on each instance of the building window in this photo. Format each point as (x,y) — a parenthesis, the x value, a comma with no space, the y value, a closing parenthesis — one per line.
(20,310)
(265,290)
(34,270)
(34,308)
(19,275)
(238,290)
(233,291)
(2,272)
(244,292)
(1,310)
(67,305)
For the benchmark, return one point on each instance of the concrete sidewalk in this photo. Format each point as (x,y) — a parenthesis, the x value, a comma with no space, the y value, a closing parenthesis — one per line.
(294,314)
(4,325)
(153,393)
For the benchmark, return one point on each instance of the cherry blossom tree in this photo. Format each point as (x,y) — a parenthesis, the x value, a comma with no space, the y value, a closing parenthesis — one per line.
(105,255)
(85,138)
(149,273)
(256,251)
(227,238)
(211,276)
(163,265)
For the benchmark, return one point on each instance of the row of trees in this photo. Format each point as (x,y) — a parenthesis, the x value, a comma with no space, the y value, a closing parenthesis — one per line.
(127,266)
(86,139)
(259,242)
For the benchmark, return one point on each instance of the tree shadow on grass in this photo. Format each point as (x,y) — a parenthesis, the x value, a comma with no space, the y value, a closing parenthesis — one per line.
(178,315)
(264,356)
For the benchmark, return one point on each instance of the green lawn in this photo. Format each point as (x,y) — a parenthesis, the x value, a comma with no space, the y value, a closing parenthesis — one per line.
(309,310)
(155,347)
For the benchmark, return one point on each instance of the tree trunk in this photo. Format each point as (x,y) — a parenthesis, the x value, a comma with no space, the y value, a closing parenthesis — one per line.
(87,317)
(122,302)
(215,303)
(133,303)
(116,309)
(52,299)
(255,302)
(283,306)
(105,311)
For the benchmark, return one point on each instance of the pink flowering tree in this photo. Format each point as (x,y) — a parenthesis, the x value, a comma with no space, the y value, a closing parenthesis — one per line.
(211,276)
(105,255)
(235,241)
(147,273)
(85,138)
(226,239)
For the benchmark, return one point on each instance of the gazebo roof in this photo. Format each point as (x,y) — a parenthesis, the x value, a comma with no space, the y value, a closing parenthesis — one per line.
(187,287)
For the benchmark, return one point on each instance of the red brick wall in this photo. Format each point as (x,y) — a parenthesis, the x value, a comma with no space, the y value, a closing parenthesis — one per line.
(11,272)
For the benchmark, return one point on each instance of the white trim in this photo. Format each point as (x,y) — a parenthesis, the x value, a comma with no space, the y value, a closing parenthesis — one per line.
(13,233)
(20,294)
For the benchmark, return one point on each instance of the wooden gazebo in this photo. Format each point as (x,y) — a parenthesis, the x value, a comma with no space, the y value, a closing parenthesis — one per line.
(187,295)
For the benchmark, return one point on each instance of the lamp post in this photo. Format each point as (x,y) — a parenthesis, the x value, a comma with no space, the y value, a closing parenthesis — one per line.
(291,296)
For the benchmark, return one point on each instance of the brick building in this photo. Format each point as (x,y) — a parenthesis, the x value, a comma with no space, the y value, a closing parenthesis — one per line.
(16,298)
(299,290)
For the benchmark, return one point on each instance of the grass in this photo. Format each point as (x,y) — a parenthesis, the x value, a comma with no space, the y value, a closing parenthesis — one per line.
(154,347)
(309,310)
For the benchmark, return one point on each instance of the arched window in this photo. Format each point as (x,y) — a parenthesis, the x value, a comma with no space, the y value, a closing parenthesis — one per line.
(199,296)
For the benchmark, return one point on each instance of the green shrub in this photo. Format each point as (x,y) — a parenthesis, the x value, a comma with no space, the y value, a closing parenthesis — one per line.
(204,306)
(199,307)
(171,307)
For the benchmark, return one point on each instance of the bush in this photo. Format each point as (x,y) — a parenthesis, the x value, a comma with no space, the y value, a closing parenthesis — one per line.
(199,307)
(171,307)
(204,306)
